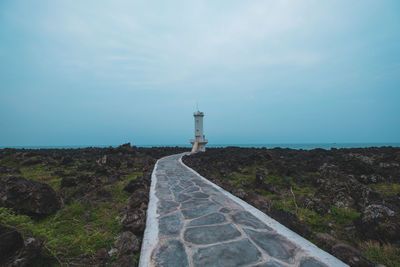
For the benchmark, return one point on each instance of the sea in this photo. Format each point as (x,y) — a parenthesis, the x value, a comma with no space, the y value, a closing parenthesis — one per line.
(305,146)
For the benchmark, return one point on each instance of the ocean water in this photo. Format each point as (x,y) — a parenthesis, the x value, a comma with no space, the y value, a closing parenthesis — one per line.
(305,146)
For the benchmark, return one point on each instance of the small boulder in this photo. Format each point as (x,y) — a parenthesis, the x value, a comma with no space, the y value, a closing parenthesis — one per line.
(134,221)
(29,253)
(345,253)
(125,261)
(375,211)
(10,242)
(290,220)
(128,243)
(14,251)
(140,197)
(133,185)
(29,197)
(351,256)
(325,241)
(102,257)
(378,222)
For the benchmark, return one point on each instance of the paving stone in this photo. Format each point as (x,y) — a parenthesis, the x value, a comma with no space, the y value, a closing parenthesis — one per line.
(173,182)
(210,234)
(210,190)
(271,263)
(177,189)
(213,218)
(199,195)
(170,254)
(185,183)
(170,225)
(310,262)
(238,253)
(195,203)
(247,219)
(225,210)
(166,206)
(191,189)
(200,183)
(274,244)
(162,178)
(223,201)
(161,185)
(199,211)
(181,197)
(164,194)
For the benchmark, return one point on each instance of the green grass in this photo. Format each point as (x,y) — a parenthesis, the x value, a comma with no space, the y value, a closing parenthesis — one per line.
(73,231)
(40,173)
(9,161)
(241,179)
(304,190)
(274,179)
(285,204)
(381,254)
(76,229)
(341,216)
(133,175)
(386,189)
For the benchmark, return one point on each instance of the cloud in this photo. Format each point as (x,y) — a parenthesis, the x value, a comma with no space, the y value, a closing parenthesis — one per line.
(264,61)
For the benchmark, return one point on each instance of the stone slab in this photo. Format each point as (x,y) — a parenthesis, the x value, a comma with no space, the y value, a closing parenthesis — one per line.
(238,253)
(275,245)
(170,254)
(210,234)
(213,218)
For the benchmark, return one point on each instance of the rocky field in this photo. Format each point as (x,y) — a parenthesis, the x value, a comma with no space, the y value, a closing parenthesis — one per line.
(74,207)
(347,201)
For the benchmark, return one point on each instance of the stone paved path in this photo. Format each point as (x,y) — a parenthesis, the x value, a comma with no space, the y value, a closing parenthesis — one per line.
(192,222)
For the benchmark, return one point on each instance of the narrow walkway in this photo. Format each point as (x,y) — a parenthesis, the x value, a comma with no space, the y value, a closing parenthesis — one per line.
(193,222)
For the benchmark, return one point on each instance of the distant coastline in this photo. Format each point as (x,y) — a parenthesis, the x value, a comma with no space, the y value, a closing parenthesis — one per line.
(305,146)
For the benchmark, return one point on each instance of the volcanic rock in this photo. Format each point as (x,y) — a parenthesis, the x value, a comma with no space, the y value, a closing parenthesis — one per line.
(133,185)
(10,242)
(379,222)
(128,243)
(29,197)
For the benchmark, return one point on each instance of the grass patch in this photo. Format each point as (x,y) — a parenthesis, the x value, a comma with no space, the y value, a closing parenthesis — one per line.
(341,216)
(285,204)
(73,231)
(274,179)
(77,229)
(381,254)
(386,189)
(241,179)
(318,223)
(305,190)
(39,173)
(133,175)
(9,161)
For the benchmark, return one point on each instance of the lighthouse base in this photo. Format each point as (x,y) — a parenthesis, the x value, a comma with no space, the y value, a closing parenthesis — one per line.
(198,146)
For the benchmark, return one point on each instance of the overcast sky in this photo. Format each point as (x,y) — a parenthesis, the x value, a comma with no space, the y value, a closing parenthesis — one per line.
(108,72)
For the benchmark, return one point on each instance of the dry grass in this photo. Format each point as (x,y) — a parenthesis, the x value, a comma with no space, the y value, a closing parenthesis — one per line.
(381,254)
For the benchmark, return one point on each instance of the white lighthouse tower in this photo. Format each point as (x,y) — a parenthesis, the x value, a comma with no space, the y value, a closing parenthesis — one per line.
(199,142)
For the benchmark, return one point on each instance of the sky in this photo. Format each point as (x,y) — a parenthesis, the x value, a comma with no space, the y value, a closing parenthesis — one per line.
(97,72)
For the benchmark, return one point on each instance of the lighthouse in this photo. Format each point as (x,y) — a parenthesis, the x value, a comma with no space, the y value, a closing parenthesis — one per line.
(199,142)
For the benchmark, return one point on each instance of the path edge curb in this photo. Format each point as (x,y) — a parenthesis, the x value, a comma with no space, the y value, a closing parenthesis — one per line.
(150,237)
